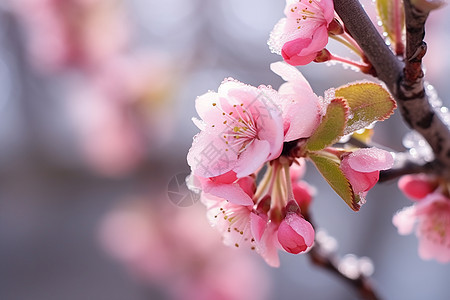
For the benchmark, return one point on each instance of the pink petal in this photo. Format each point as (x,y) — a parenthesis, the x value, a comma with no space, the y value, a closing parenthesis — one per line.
(295,234)
(370,159)
(248,185)
(299,99)
(328,10)
(433,230)
(404,220)
(429,250)
(305,105)
(258,225)
(231,192)
(206,109)
(319,41)
(207,156)
(199,123)
(231,84)
(269,245)
(290,74)
(361,182)
(291,52)
(433,246)
(228,177)
(252,158)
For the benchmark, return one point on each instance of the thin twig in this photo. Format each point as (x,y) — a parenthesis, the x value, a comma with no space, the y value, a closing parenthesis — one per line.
(407,165)
(330,262)
(404,81)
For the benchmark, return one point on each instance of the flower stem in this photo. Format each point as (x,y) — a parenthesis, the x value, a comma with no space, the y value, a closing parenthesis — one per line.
(287,175)
(348,42)
(262,186)
(398,46)
(363,67)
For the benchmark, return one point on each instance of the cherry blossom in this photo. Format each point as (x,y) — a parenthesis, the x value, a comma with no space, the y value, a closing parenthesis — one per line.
(362,168)
(241,129)
(304,31)
(432,215)
(108,138)
(273,219)
(71,33)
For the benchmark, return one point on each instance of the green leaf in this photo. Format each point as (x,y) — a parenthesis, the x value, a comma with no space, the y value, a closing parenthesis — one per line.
(331,128)
(328,166)
(368,101)
(392,17)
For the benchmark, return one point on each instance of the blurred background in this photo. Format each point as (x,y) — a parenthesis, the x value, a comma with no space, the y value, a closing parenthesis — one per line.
(96,100)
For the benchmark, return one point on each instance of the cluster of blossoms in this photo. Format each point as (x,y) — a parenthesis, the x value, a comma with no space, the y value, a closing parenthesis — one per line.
(249,157)
(117,91)
(72,32)
(431,212)
(167,255)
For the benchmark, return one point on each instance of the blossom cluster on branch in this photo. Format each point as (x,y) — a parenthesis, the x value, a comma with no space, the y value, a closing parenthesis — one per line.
(253,143)
(248,133)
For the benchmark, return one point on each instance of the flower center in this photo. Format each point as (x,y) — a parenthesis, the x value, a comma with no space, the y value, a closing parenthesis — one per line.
(238,229)
(307,9)
(241,129)
(437,229)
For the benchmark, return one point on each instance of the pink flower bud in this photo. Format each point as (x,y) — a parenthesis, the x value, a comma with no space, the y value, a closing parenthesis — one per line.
(295,234)
(303,32)
(416,187)
(362,167)
(300,52)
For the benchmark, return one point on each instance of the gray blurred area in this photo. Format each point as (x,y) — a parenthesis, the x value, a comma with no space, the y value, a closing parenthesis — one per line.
(51,203)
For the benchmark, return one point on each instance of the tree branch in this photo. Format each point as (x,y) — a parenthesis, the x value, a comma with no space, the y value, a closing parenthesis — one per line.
(404,81)
(415,107)
(330,261)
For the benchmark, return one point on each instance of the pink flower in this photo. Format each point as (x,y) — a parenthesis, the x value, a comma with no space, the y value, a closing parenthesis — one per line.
(416,187)
(241,129)
(270,221)
(299,100)
(432,215)
(303,32)
(362,168)
(295,234)
(109,139)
